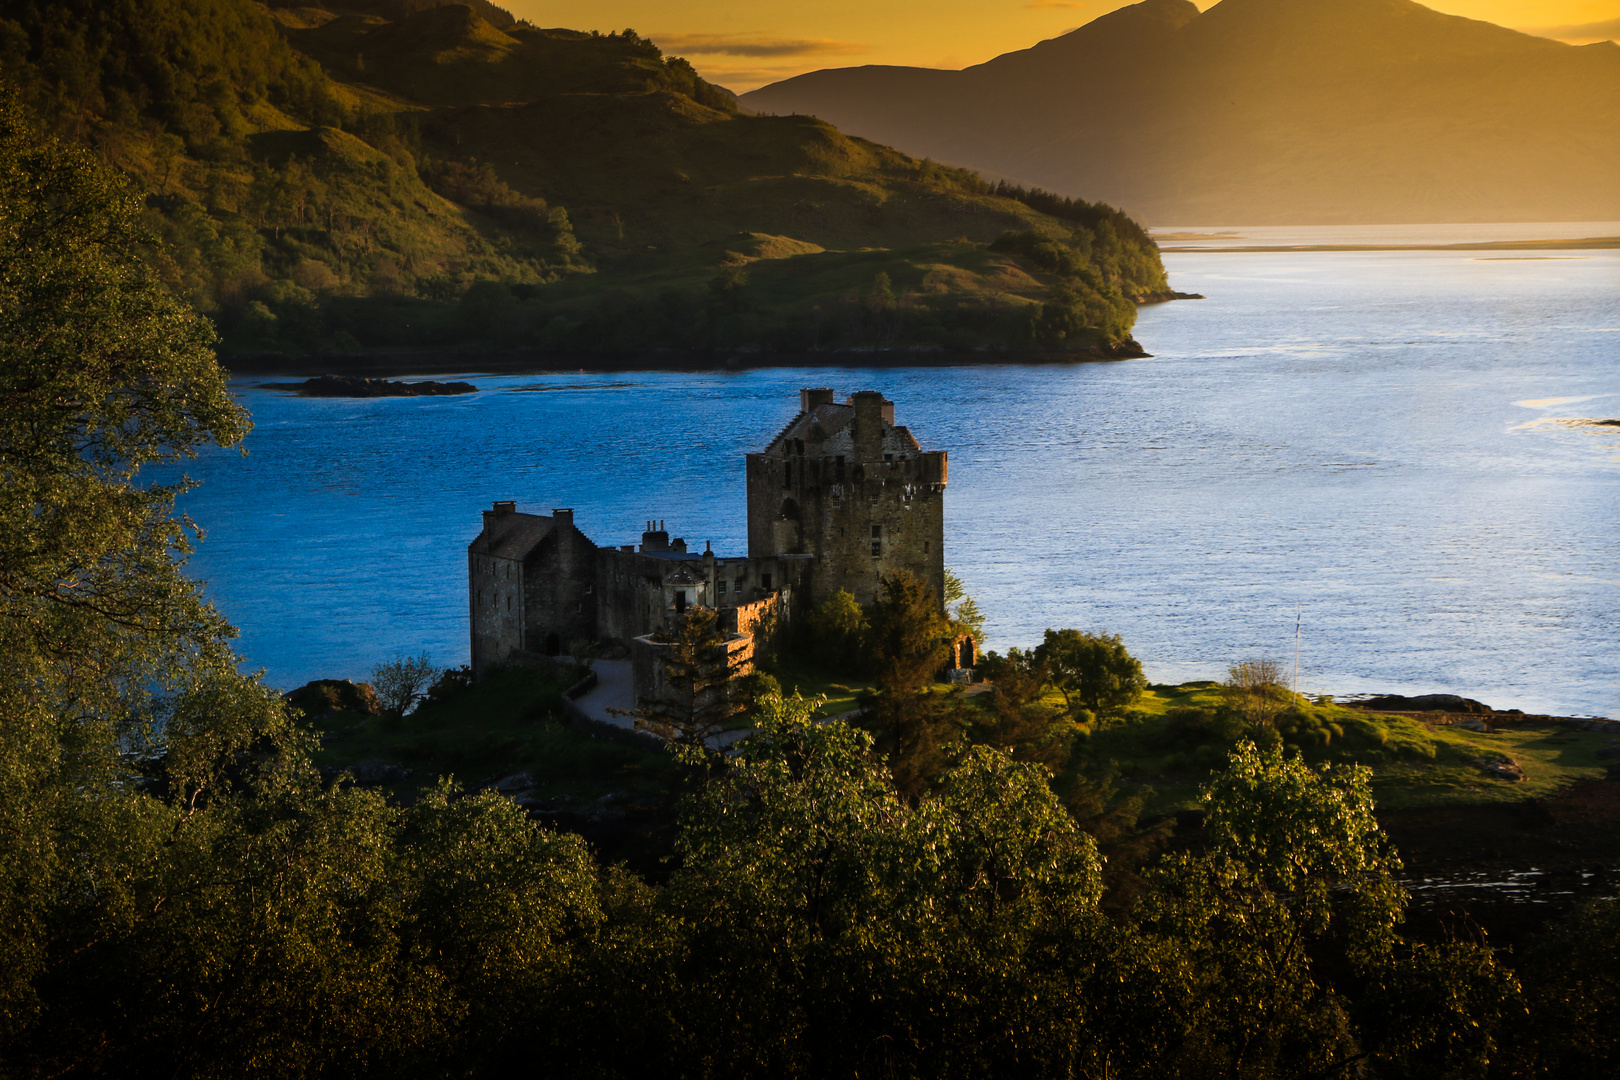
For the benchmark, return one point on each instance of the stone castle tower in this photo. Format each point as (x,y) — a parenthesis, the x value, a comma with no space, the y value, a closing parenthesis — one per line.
(856,495)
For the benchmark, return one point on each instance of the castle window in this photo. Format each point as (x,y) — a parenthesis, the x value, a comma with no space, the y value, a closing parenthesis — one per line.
(877,549)
(877,532)
(888,458)
(720,587)
(787,475)
(765,582)
(680,601)
(839,468)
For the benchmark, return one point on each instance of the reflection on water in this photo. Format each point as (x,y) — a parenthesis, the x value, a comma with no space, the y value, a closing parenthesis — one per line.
(1528,886)
(1341,432)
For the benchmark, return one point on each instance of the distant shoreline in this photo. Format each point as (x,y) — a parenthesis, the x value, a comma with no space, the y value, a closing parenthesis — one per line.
(1593,243)
(531,361)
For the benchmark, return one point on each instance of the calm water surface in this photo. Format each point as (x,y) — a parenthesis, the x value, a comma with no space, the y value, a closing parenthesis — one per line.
(1368,439)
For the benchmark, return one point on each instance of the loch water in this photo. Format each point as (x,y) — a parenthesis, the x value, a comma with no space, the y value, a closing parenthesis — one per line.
(1382,445)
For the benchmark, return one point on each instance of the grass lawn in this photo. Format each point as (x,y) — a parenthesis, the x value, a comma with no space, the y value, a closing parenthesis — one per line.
(1415,764)
(508,723)
(841,692)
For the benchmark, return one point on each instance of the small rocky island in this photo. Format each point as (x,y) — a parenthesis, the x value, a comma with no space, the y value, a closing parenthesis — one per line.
(355,387)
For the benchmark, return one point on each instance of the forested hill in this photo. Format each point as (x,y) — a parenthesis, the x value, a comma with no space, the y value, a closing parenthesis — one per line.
(408,173)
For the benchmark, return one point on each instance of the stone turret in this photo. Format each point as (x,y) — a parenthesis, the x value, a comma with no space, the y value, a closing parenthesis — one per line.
(845,487)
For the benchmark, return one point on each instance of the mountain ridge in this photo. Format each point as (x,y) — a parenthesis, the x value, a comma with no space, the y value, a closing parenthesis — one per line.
(1265,112)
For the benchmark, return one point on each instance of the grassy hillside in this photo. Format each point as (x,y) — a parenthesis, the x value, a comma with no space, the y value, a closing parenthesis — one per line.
(400,173)
(1174,736)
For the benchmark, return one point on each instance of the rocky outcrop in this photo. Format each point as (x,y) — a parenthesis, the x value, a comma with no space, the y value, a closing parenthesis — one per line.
(352,386)
(1425,703)
(1502,768)
(325,696)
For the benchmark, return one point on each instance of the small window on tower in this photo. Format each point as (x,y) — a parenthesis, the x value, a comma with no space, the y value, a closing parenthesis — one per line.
(877,549)
(765,582)
(877,532)
(889,458)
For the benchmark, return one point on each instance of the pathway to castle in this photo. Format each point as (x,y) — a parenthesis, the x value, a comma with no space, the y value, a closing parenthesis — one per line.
(615,690)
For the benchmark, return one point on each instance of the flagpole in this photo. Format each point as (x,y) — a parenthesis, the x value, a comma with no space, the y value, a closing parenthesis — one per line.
(1298,618)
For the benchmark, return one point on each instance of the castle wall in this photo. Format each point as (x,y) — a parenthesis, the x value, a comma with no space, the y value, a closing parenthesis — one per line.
(495,603)
(559,587)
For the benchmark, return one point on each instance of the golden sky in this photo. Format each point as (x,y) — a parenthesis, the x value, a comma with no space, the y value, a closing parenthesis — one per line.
(743,44)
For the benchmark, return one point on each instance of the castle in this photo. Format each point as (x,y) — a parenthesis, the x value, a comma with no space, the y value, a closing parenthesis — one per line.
(839,499)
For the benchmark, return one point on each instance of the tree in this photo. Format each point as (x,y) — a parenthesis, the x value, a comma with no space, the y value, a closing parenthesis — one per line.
(102,374)
(908,637)
(836,929)
(1017,722)
(1091,670)
(834,633)
(697,675)
(402,682)
(1254,689)
(963,611)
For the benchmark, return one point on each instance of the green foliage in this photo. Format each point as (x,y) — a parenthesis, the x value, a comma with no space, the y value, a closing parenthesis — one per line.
(908,636)
(1018,722)
(1091,670)
(1572,987)
(834,632)
(1294,880)
(962,610)
(835,927)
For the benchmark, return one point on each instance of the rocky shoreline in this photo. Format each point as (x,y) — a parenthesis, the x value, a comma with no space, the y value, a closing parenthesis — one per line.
(355,386)
(381,366)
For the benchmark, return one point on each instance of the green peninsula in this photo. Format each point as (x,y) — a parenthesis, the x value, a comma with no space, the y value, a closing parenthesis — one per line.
(382,177)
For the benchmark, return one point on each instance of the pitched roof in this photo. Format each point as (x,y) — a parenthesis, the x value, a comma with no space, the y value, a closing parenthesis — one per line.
(829,425)
(513,536)
(684,575)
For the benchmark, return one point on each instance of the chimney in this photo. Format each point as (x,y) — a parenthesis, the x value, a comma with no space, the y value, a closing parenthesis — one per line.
(809,399)
(868,427)
(563,517)
(888,412)
(496,520)
(678,545)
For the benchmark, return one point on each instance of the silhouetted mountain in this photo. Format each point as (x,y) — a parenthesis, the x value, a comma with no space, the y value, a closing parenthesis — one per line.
(1265,111)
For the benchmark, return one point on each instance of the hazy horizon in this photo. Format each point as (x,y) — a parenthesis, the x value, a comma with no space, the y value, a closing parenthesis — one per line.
(743,48)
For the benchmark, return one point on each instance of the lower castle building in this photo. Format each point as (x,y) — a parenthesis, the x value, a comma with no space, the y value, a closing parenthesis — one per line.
(839,499)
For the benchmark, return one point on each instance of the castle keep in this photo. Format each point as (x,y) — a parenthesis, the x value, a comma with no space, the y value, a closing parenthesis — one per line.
(838,500)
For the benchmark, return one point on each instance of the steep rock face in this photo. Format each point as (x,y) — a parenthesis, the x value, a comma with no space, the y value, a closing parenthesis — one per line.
(1265,111)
